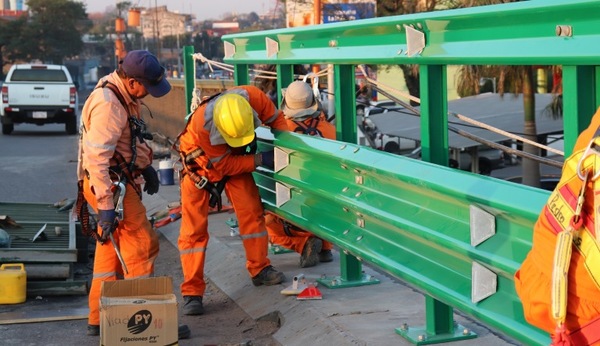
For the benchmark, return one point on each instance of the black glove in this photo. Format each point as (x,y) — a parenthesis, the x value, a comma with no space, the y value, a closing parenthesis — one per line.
(107,222)
(268,159)
(152,183)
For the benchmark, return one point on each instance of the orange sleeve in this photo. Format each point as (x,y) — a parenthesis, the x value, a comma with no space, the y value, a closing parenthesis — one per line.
(326,128)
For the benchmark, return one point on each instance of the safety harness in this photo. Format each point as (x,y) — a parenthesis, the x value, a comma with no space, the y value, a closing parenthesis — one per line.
(308,129)
(120,170)
(192,168)
(575,229)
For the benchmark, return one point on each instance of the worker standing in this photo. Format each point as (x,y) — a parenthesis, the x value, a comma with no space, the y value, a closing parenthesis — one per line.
(303,114)
(218,150)
(113,150)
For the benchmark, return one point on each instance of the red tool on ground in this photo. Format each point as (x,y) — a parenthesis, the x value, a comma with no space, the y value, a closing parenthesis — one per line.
(311,292)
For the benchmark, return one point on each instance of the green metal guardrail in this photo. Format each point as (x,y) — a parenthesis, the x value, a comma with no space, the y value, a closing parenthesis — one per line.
(457,236)
(460,242)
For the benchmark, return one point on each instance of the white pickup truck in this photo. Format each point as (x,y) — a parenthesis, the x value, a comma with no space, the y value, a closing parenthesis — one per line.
(39,94)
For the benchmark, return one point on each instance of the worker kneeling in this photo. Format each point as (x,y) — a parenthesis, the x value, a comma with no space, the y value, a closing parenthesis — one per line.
(303,114)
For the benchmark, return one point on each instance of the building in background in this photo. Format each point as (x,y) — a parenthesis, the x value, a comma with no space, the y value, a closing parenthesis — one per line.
(11,8)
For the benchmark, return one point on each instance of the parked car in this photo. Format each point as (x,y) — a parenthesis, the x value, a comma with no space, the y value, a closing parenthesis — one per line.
(219,74)
(379,140)
(39,94)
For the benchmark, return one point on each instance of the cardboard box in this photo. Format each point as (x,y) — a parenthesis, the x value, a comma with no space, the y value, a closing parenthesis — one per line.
(138,312)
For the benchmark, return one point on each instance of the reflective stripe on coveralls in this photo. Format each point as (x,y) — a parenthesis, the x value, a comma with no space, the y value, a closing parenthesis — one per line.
(533,279)
(241,190)
(275,226)
(138,243)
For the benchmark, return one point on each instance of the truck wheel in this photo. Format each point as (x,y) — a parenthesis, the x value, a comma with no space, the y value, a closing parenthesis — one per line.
(7,129)
(71,126)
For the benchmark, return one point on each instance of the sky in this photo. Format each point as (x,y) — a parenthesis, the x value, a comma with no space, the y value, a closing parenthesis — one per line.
(202,9)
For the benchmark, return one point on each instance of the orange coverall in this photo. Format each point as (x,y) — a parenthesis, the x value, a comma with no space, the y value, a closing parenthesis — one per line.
(106,130)
(275,223)
(533,279)
(218,161)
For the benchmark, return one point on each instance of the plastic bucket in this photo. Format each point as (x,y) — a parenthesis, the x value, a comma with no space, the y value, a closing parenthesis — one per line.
(13,283)
(166,173)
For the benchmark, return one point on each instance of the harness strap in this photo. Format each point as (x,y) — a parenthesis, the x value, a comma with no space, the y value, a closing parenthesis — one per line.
(191,168)
(122,165)
(123,168)
(310,129)
(83,214)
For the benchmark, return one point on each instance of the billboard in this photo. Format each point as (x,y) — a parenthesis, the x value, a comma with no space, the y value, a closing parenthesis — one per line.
(343,12)
(301,12)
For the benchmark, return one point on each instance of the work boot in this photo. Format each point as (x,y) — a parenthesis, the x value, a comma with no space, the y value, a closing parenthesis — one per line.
(93,330)
(183,332)
(192,305)
(268,277)
(325,256)
(310,252)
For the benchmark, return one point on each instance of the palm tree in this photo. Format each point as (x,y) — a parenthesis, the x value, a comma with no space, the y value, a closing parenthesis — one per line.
(514,79)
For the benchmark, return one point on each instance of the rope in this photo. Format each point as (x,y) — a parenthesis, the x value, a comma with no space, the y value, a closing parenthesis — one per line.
(462,117)
(258,74)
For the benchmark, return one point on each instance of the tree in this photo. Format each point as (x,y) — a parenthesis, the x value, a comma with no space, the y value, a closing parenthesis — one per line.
(513,79)
(51,33)
(397,7)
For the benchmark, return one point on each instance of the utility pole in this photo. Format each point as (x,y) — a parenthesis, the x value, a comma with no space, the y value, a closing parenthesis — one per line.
(316,21)
(157,32)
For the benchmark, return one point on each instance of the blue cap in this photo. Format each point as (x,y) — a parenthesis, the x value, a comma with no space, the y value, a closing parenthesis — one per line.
(145,68)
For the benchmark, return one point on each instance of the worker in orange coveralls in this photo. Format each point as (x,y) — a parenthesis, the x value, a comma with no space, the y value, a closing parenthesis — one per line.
(217,147)
(113,148)
(534,279)
(303,114)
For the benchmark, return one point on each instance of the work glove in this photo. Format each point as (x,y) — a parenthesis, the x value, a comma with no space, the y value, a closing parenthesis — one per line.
(107,222)
(268,159)
(152,183)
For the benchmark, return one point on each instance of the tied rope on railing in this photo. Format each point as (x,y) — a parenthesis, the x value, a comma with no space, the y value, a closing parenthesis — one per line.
(258,74)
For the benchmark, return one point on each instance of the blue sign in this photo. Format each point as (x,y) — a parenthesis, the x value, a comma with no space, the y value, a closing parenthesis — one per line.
(344,12)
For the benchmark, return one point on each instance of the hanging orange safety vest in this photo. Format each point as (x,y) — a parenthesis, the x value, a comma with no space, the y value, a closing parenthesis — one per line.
(575,227)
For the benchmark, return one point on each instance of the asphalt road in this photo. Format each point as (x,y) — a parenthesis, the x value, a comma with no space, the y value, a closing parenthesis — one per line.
(39,164)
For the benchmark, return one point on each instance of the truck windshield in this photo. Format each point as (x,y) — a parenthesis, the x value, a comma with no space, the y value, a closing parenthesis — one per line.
(38,76)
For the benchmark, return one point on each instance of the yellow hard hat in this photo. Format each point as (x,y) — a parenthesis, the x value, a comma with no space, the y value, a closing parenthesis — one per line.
(234,118)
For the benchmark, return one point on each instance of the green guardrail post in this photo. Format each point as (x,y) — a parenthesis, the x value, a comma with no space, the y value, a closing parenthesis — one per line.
(190,79)
(351,268)
(434,114)
(352,274)
(240,74)
(440,326)
(285,76)
(579,101)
